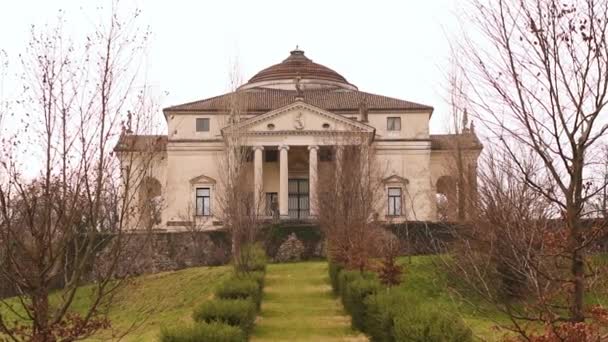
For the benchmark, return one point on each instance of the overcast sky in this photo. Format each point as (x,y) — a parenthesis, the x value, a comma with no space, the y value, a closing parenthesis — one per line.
(392,48)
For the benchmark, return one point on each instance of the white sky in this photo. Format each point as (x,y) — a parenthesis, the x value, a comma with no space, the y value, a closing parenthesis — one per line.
(392,48)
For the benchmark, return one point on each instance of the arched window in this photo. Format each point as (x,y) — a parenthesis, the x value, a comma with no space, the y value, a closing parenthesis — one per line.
(446,198)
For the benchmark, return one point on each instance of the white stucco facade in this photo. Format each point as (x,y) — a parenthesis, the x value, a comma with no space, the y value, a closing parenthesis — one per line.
(291,113)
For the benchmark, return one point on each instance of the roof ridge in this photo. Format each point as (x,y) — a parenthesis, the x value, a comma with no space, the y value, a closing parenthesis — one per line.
(266,99)
(174,107)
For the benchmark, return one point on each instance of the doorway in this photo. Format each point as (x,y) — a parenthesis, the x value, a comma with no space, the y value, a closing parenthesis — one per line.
(298,199)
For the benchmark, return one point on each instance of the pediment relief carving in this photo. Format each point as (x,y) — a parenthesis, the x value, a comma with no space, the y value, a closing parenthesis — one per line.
(300,118)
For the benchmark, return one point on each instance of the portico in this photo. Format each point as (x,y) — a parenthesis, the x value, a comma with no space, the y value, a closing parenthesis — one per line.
(297,133)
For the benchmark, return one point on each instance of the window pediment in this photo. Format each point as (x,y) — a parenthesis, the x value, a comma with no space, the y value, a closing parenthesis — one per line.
(202,179)
(396,179)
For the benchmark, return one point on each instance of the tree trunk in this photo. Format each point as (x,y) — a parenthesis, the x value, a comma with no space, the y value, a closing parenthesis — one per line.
(577,309)
(40,308)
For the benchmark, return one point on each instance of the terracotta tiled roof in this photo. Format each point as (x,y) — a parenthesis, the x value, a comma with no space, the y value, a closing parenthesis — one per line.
(266,99)
(448,141)
(297,65)
(135,142)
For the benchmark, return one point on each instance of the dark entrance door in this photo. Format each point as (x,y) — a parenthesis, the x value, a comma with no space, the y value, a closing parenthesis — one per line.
(298,199)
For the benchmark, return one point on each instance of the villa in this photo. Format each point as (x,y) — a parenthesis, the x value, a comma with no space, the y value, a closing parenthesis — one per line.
(291,112)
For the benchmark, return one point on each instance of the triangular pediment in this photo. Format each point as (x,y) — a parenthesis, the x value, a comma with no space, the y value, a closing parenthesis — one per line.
(202,179)
(396,179)
(299,117)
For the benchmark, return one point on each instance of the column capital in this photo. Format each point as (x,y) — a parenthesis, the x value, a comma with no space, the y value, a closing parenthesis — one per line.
(255,148)
(313,147)
(284,147)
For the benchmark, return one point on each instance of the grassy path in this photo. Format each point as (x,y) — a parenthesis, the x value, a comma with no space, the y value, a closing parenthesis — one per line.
(298,306)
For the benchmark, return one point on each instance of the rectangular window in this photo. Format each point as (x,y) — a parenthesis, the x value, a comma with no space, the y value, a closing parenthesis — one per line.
(272,203)
(202,125)
(394,201)
(393,124)
(271,156)
(203,202)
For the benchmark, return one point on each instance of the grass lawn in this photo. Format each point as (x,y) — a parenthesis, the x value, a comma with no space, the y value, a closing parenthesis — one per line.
(424,278)
(298,305)
(152,301)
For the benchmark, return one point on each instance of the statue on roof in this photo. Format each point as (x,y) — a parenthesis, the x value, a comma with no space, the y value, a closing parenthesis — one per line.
(300,93)
(465,121)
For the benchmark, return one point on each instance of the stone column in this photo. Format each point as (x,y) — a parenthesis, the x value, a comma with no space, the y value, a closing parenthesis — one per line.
(338,149)
(312,179)
(258,180)
(284,182)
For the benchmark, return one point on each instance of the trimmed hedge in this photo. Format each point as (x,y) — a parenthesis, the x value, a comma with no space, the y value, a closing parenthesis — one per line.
(334,274)
(354,297)
(257,276)
(379,323)
(230,317)
(257,258)
(218,332)
(235,312)
(430,325)
(240,288)
(388,315)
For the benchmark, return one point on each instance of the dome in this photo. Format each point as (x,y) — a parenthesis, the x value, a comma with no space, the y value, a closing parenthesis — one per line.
(298,66)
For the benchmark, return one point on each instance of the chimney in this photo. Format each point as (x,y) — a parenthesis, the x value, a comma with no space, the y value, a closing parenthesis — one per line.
(363,110)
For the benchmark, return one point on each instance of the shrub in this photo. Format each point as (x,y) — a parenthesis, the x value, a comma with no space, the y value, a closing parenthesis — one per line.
(346,277)
(235,312)
(218,332)
(390,271)
(354,296)
(291,249)
(311,238)
(334,276)
(257,258)
(240,288)
(379,321)
(431,325)
(257,276)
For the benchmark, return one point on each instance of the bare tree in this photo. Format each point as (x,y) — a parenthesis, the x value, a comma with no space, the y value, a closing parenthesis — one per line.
(599,206)
(350,194)
(240,205)
(461,148)
(537,75)
(54,223)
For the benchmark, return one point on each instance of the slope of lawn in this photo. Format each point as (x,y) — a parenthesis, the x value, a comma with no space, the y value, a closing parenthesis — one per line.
(165,299)
(298,305)
(425,279)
